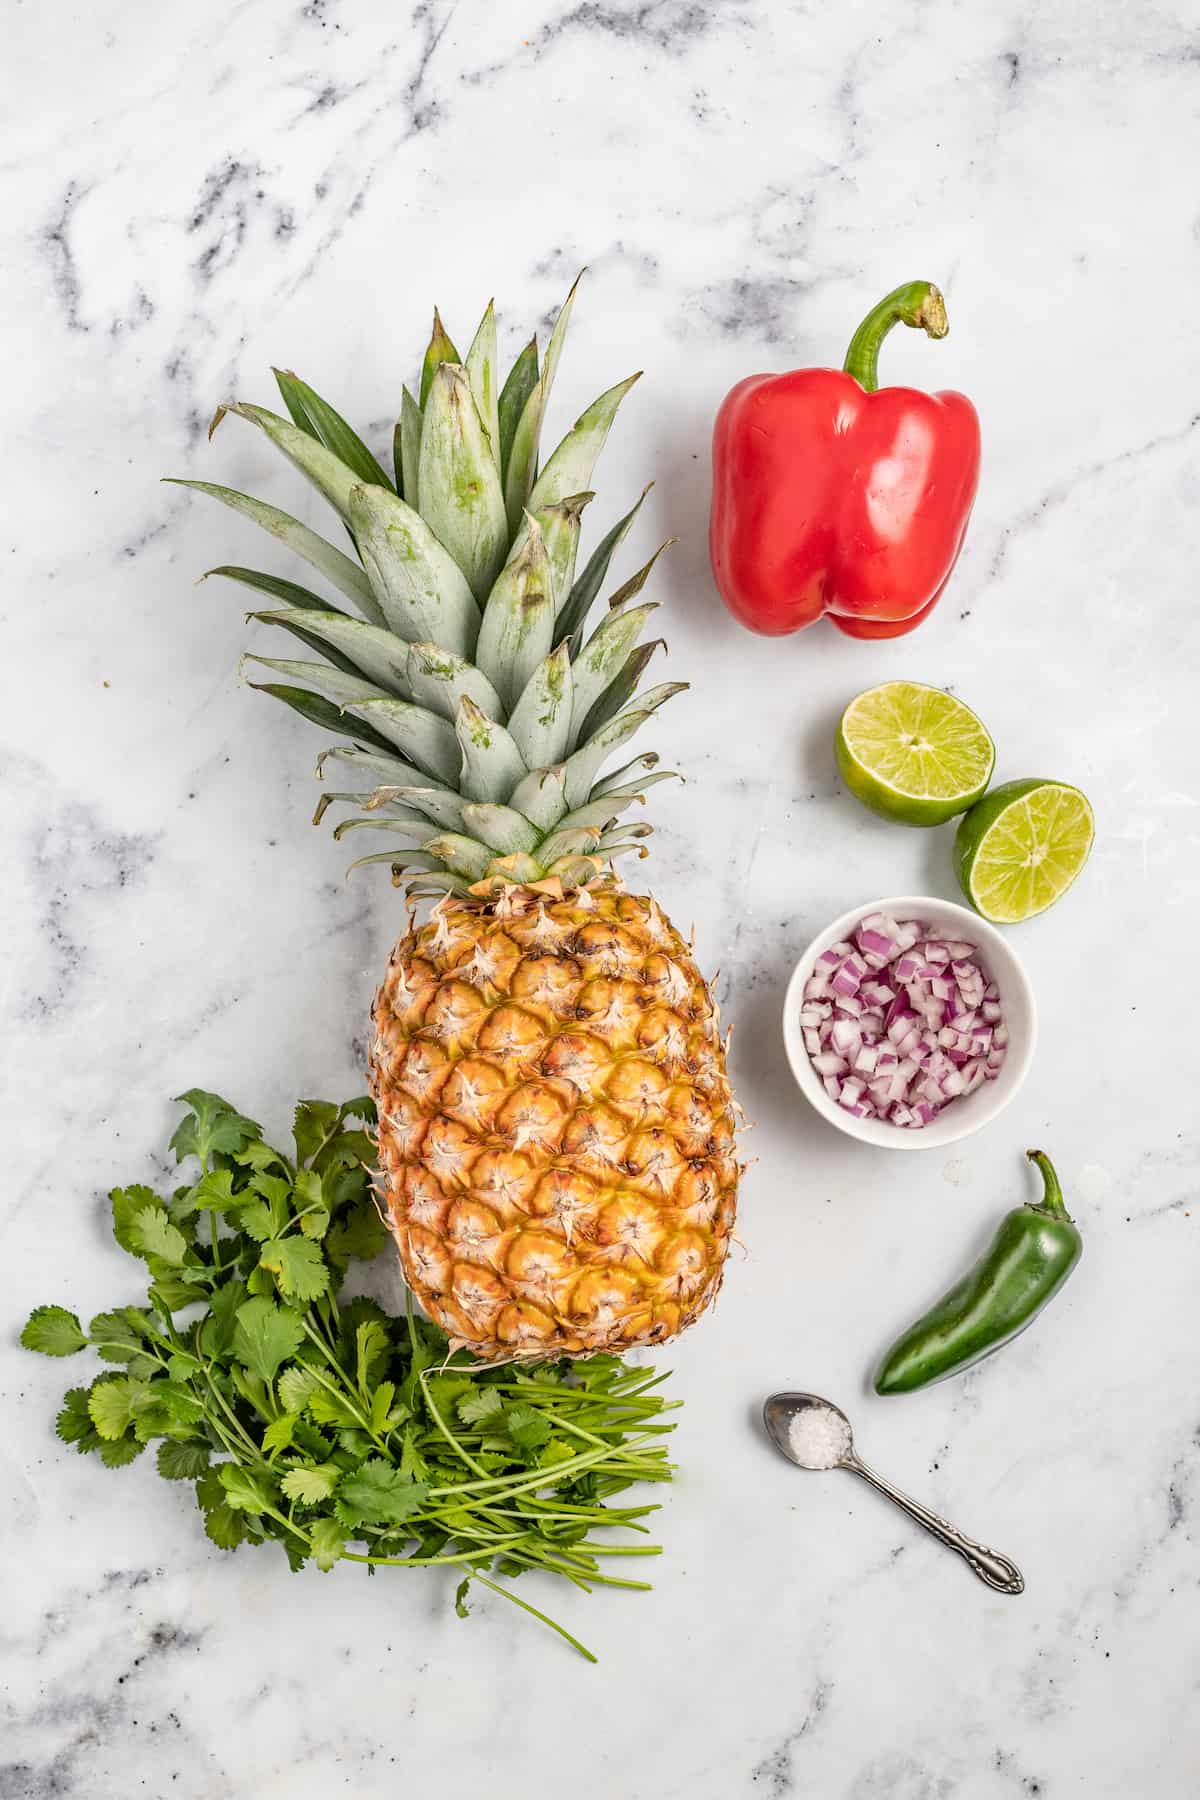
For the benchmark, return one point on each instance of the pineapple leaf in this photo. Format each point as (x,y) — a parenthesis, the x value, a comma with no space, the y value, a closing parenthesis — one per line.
(521,466)
(521,457)
(573,841)
(318,418)
(629,589)
(327,472)
(439,679)
(560,527)
(541,797)
(439,805)
(569,470)
(338,568)
(572,616)
(540,722)
(384,770)
(521,381)
(621,689)
(599,814)
(462,855)
(459,481)
(319,711)
(440,350)
(365,650)
(334,683)
(311,641)
(598,662)
(581,769)
(518,620)
(398,456)
(501,828)
(491,763)
(481,373)
(558,338)
(418,733)
(290,592)
(409,429)
(423,592)
(417,828)
(609,785)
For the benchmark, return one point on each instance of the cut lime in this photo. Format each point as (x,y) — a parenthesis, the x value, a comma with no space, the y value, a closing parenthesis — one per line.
(913,753)
(1021,847)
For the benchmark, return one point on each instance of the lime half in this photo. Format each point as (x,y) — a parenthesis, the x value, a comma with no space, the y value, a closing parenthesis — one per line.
(1021,847)
(913,753)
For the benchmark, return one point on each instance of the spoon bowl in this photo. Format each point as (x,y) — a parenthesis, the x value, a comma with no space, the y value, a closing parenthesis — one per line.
(809,1430)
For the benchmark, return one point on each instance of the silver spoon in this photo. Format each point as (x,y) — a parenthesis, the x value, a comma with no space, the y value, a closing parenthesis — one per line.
(815,1434)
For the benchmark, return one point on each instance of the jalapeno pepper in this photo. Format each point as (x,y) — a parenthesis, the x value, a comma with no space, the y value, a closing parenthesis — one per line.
(1028,1260)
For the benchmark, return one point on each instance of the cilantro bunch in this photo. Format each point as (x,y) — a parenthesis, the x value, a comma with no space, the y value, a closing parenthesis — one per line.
(324,1425)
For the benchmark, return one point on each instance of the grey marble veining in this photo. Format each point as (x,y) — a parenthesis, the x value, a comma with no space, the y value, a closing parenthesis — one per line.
(192,195)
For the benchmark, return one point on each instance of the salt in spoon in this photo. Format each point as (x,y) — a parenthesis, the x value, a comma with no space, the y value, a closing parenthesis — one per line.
(815,1434)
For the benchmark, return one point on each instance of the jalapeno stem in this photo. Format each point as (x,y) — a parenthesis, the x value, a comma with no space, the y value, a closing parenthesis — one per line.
(917,303)
(1052,1201)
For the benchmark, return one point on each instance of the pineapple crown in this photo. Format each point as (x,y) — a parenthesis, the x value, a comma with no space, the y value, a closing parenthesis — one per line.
(478,717)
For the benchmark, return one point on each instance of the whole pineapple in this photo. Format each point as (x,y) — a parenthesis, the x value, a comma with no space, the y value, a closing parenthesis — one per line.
(555,1122)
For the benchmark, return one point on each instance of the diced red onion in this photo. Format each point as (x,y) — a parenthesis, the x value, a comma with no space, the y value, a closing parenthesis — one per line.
(899,1024)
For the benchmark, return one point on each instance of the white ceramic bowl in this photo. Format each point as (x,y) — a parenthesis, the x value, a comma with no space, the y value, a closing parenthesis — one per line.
(966,1114)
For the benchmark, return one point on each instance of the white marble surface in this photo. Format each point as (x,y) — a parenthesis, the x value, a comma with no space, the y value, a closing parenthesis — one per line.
(189,195)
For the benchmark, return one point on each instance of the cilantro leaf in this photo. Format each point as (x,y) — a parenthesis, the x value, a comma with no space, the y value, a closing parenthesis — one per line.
(243,1491)
(297,1266)
(53,1331)
(482,1403)
(257,1155)
(378,1494)
(359,1233)
(127,1203)
(370,1344)
(74,1421)
(182,1460)
(123,1450)
(214,1192)
(222,1525)
(111,1404)
(118,1336)
(212,1125)
(460,1598)
(330,1409)
(311,1486)
(294,1387)
(264,1336)
(154,1236)
(279,1433)
(315,1123)
(527,1428)
(328,1543)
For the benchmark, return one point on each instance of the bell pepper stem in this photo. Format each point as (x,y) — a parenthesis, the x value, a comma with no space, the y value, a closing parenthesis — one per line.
(917,303)
(1052,1201)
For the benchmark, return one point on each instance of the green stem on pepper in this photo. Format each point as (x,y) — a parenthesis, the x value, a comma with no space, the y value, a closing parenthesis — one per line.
(916,303)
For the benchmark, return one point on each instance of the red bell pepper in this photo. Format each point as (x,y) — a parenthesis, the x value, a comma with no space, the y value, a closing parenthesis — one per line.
(832,495)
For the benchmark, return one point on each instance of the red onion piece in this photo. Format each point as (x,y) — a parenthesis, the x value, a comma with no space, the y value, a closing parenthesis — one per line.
(900,1024)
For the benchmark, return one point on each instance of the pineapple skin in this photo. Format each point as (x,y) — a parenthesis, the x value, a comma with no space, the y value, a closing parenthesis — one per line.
(556,1128)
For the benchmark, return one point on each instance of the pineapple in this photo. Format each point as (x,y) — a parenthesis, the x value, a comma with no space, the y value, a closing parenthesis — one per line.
(556,1128)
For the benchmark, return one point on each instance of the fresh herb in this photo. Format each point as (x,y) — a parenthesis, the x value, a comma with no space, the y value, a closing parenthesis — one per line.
(344,1434)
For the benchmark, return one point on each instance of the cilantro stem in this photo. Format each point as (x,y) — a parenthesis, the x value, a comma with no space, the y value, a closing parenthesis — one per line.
(431,1562)
(546,1620)
(455,1444)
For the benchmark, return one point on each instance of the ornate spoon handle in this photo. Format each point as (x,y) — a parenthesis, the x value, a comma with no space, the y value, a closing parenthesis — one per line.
(996,1570)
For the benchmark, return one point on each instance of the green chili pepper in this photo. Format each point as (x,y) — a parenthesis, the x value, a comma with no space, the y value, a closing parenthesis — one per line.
(1028,1260)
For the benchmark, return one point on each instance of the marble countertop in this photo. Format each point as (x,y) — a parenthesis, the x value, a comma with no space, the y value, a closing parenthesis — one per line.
(189,197)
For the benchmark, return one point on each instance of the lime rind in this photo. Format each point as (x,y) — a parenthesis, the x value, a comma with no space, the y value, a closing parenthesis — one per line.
(1023,847)
(913,753)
